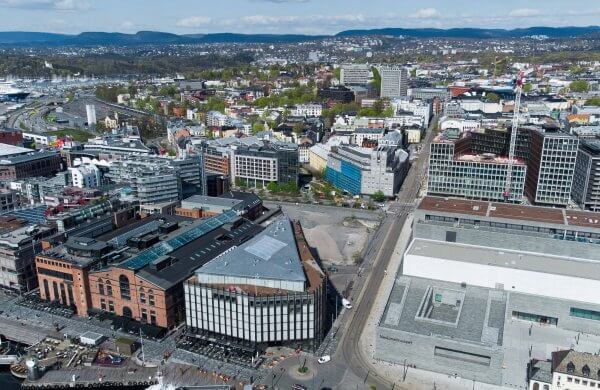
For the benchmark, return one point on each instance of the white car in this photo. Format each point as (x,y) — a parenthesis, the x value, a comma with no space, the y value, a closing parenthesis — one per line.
(346,303)
(324,359)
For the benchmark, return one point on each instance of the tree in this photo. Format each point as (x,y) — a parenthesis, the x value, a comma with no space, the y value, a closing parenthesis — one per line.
(376,82)
(272,186)
(257,127)
(492,97)
(595,101)
(579,86)
(378,196)
(527,87)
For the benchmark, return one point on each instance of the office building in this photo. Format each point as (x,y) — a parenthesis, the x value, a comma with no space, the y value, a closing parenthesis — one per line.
(354,74)
(586,180)
(267,291)
(264,162)
(367,171)
(551,167)
(19,163)
(473,268)
(394,82)
(244,204)
(137,271)
(543,171)
(18,248)
(456,171)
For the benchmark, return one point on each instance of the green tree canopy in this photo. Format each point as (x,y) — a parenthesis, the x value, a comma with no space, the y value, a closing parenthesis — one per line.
(579,86)
(378,196)
(595,101)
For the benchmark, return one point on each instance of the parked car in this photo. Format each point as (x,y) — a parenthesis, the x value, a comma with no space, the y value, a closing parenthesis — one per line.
(324,359)
(346,303)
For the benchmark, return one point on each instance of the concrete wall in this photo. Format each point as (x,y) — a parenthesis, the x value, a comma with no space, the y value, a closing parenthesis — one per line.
(557,308)
(530,282)
(398,347)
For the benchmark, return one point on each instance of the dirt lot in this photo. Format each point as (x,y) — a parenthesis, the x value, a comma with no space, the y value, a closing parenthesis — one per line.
(336,233)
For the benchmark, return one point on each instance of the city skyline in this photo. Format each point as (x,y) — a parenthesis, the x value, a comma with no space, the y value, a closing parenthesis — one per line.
(284,16)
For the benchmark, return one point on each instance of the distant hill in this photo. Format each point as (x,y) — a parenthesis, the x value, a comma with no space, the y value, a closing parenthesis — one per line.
(477,33)
(24,38)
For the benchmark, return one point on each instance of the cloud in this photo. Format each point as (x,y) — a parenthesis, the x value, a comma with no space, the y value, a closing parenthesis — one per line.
(61,5)
(194,21)
(426,13)
(524,12)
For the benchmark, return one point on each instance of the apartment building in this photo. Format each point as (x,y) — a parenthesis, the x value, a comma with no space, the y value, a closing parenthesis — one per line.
(155,179)
(307,110)
(85,176)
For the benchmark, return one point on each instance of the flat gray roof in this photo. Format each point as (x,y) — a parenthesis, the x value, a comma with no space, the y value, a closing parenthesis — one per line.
(481,317)
(202,200)
(9,150)
(527,261)
(272,254)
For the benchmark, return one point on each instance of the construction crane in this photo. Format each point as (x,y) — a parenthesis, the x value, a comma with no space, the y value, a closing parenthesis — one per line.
(513,135)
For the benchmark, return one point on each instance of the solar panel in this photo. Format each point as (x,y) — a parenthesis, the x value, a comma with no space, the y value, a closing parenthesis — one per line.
(31,215)
(166,247)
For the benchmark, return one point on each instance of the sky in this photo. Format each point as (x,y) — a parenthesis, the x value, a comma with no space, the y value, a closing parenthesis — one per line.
(287,16)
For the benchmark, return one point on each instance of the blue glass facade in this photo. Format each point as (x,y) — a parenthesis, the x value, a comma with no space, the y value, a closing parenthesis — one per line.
(348,178)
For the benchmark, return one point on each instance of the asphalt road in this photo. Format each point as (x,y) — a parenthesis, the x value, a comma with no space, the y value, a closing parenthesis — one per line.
(376,263)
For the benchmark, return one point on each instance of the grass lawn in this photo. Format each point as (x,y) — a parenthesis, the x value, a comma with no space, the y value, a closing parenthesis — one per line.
(75,134)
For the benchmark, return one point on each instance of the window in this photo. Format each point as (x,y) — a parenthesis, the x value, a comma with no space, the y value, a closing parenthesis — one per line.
(151,301)
(586,314)
(569,379)
(100,288)
(124,287)
(152,317)
(144,315)
(142,297)
(103,304)
(108,289)
(111,306)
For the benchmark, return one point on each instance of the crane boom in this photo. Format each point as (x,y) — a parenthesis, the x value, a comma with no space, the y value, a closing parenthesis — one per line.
(513,136)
